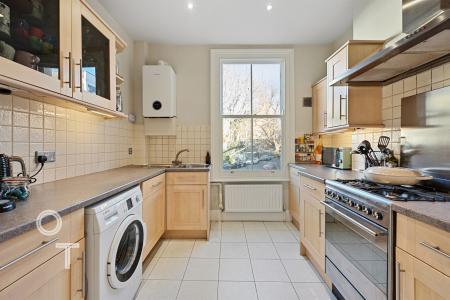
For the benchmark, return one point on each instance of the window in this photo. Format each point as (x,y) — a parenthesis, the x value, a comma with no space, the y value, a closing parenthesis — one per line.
(252,115)
(252,125)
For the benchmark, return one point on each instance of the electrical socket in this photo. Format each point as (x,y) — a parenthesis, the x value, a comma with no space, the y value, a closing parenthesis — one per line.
(130,151)
(51,155)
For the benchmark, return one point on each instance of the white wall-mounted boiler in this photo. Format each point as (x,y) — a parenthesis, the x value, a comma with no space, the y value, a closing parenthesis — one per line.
(159,91)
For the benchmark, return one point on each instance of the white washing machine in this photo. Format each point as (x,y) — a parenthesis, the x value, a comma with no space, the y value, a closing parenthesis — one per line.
(115,235)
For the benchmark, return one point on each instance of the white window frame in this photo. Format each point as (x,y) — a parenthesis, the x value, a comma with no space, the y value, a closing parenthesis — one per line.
(286,58)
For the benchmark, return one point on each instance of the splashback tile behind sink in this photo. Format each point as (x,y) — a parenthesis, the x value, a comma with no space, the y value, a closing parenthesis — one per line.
(196,138)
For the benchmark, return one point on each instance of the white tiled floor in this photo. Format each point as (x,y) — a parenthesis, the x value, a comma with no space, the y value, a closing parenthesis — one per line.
(242,261)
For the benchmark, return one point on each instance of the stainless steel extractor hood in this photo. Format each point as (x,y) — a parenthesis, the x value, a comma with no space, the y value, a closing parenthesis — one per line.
(424,43)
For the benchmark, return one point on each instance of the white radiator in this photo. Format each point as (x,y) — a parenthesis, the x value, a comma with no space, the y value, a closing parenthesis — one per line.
(253,198)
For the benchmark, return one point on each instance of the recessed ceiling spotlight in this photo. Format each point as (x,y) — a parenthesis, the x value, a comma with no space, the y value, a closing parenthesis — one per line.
(269,7)
(190,5)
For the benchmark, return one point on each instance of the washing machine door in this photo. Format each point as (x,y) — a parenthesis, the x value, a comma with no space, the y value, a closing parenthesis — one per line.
(125,253)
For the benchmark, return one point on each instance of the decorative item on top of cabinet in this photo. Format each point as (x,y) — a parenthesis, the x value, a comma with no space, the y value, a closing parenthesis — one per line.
(352,106)
(154,210)
(319,106)
(187,205)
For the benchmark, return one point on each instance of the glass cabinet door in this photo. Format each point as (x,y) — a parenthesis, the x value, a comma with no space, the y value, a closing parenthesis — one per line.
(95,59)
(33,47)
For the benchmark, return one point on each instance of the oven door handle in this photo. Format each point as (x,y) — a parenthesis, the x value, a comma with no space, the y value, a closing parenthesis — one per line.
(374,233)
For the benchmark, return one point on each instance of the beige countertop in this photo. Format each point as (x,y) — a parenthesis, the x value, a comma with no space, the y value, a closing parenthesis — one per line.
(322,173)
(434,213)
(68,195)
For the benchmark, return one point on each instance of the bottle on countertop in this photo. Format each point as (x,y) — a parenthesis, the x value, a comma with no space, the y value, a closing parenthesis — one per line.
(208,158)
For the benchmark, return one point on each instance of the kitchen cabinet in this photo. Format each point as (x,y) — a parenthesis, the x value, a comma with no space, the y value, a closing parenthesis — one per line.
(422,260)
(94,56)
(188,204)
(313,221)
(38,268)
(319,106)
(154,211)
(61,49)
(352,106)
(417,280)
(36,45)
(294,196)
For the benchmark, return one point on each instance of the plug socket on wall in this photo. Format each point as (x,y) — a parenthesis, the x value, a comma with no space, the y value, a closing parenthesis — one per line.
(51,155)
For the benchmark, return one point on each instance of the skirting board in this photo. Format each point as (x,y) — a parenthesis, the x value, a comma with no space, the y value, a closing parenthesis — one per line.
(218,215)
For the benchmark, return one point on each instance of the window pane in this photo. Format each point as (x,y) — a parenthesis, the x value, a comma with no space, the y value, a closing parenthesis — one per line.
(236,97)
(236,143)
(266,89)
(267,143)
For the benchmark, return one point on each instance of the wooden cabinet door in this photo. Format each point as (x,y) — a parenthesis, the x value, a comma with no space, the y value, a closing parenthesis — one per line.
(51,280)
(78,272)
(294,201)
(313,228)
(320,106)
(39,56)
(94,55)
(337,96)
(415,280)
(154,212)
(187,207)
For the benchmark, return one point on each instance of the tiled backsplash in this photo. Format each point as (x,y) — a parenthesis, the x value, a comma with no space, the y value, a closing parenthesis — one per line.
(392,95)
(196,138)
(84,143)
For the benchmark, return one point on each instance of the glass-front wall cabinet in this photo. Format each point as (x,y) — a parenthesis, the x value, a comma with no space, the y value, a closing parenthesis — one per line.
(58,45)
(95,59)
(33,47)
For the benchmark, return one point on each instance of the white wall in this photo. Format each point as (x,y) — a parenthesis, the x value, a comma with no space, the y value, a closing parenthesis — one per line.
(191,63)
(377,19)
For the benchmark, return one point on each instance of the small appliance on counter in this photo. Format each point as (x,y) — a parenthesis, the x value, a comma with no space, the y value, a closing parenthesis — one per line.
(12,188)
(338,158)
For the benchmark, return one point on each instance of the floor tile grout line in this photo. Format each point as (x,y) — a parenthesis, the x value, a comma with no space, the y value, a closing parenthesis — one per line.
(251,265)
(184,273)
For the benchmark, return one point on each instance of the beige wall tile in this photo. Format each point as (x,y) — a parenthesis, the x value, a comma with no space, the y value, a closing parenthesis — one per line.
(397,87)
(21,104)
(410,83)
(387,91)
(6,102)
(5,117)
(424,79)
(437,74)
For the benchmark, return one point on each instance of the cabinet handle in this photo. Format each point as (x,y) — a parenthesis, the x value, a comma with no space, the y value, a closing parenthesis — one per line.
(320,224)
(203,199)
(309,187)
(70,70)
(397,280)
(43,245)
(325,125)
(435,249)
(340,106)
(156,185)
(83,271)
(81,76)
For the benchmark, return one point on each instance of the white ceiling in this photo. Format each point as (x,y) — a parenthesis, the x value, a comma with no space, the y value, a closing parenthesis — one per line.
(233,21)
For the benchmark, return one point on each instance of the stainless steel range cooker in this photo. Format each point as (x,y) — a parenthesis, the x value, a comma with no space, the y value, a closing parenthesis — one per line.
(359,235)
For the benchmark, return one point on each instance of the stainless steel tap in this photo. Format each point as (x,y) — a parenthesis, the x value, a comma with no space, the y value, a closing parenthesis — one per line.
(177,161)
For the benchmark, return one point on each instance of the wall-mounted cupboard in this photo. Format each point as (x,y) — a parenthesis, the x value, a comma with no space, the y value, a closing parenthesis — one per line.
(60,48)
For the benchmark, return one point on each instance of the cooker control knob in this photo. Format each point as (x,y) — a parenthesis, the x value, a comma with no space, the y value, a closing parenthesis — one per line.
(358,206)
(377,215)
(367,211)
(350,203)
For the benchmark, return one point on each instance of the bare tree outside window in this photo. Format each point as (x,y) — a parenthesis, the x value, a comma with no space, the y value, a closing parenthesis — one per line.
(252,115)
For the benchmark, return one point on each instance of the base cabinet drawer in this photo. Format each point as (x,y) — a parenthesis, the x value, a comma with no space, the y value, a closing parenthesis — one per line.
(24,253)
(416,280)
(426,242)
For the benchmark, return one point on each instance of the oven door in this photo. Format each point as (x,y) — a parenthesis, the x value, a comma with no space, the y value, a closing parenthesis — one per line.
(357,253)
